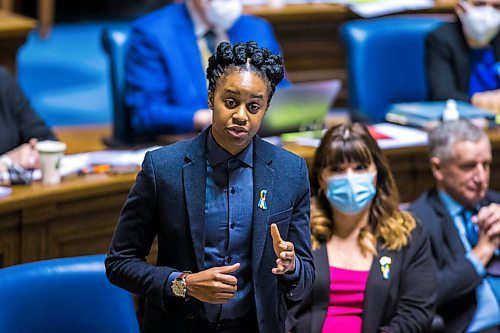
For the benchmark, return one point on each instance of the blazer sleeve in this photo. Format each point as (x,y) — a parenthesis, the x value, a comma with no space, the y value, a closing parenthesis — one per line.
(300,235)
(456,275)
(456,278)
(147,90)
(417,296)
(28,123)
(441,75)
(126,264)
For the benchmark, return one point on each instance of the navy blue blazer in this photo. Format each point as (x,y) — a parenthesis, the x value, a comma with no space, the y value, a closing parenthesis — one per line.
(168,201)
(448,64)
(457,278)
(404,303)
(165,78)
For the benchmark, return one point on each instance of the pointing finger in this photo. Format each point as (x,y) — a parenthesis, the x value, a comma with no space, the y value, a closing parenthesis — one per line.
(275,234)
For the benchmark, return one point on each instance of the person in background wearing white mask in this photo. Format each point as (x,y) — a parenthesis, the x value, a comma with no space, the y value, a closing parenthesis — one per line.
(166,88)
(374,268)
(463,57)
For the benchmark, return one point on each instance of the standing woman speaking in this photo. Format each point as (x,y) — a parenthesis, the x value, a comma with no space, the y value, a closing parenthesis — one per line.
(230,210)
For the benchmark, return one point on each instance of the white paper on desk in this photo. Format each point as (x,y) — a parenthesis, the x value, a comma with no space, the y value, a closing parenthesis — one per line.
(5,191)
(254,2)
(75,162)
(118,157)
(400,136)
(384,7)
(69,164)
(269,2)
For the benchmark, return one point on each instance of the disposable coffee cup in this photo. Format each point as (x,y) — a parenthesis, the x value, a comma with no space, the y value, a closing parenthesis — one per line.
(51,153)
(276,4)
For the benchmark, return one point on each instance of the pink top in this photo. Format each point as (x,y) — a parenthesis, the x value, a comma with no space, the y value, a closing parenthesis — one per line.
(347,292)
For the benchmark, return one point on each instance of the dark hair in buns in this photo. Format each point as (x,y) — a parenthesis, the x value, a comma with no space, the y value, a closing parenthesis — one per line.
(247,56)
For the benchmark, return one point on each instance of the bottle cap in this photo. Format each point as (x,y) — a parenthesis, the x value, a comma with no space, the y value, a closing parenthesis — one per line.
(450,112)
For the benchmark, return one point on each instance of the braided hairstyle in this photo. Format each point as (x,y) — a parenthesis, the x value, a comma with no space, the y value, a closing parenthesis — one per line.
(245,56)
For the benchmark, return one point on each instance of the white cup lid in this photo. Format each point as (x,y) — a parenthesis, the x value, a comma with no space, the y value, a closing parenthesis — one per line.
(50,146)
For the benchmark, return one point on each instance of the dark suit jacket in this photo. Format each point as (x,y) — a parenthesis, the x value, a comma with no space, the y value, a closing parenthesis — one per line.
(165,78)
(168,200)
(457,278)
(448,62)
(18,122)
(404,303)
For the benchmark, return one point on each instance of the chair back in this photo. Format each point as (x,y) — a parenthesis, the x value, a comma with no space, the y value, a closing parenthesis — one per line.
(64,295)
(115,41)
(386,62)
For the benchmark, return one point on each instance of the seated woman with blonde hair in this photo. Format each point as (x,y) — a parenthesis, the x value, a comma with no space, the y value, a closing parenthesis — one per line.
(374,270)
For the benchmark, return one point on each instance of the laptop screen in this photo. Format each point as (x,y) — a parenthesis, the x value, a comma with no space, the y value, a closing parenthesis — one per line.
(299,107)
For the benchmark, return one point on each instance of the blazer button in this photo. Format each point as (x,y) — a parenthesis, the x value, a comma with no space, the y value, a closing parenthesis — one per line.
(190,316)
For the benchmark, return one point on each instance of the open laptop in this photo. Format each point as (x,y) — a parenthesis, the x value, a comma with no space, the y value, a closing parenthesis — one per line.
(302,106)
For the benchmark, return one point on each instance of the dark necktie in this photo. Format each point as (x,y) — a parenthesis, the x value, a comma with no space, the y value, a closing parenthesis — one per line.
(210,40)
(471,231)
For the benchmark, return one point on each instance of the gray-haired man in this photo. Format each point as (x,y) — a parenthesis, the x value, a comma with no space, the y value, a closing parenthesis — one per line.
(463,218)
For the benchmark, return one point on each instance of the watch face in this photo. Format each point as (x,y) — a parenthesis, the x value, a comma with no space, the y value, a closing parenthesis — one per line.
(178,288)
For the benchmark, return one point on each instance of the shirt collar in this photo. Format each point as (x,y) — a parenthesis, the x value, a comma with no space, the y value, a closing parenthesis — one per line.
(453,207)
(217,155)
(200,26)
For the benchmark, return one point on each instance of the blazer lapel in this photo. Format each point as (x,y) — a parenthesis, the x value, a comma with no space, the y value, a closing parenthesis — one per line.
(321,292)
(263,179)
(194,175)
(450,233)
(377,289)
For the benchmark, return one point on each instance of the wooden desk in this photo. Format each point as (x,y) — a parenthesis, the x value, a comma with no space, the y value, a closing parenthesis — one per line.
(13,31)
(76,217)
(80,139)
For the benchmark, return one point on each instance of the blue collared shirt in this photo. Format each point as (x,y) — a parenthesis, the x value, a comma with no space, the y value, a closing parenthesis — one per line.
(228,226)
(228,223)
(488,310)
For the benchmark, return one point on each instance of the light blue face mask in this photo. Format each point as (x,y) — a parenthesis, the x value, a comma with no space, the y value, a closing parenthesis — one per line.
(351,193)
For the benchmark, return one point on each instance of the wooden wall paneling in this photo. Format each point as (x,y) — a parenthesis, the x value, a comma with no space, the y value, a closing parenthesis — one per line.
(10,240)
(13,31)
(495,165)
(313,50)
(84,227)
(34,245)
(423,177)
(402,171)
(8,55)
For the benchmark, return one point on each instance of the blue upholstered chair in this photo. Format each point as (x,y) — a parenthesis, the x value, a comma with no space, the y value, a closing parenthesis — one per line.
(64,295)
(115,41)
(386,62)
